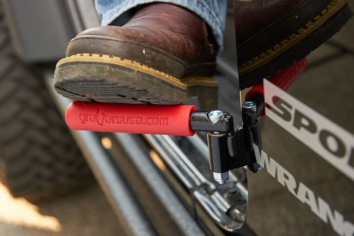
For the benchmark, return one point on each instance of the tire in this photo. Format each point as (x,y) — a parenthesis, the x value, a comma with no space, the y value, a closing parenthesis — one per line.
(38,156)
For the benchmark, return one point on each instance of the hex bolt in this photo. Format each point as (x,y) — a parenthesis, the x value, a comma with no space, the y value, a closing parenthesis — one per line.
(215,116)
(221,178)
(249,105)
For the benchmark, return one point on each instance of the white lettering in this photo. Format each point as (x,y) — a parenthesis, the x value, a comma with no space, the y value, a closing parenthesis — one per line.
(285,178)
(325,213)
(348,228)
(305,195)
(329,140)
(262,159)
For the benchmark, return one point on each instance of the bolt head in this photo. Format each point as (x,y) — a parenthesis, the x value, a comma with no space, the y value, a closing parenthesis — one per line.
(255,167)
(221,178)
(249,105)
(215,116)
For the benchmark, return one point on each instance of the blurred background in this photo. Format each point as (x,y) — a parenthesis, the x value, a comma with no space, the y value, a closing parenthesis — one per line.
(49,189)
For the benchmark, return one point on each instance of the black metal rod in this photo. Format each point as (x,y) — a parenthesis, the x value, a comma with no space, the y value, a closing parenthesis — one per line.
(199,121)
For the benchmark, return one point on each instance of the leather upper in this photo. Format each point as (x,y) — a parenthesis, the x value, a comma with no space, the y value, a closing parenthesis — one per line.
(254,16)
(166,27)
(262,24)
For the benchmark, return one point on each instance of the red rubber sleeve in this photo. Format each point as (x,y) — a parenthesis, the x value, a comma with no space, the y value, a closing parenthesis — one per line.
(138,119)
(283,80)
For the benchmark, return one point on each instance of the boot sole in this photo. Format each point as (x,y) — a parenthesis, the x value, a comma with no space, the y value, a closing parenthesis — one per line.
(109,79)
(297,46)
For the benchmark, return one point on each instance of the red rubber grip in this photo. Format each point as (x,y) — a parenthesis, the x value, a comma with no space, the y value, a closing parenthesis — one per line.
(122,118)
(283,80)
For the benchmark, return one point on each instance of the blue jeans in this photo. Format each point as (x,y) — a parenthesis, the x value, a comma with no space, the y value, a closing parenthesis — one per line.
(212,11)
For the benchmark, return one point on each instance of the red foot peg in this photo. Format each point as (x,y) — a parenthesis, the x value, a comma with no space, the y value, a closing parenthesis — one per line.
(138,119)
(283,80)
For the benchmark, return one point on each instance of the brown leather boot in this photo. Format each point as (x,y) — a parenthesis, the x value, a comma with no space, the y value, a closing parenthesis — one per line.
(160,52)
(273,35)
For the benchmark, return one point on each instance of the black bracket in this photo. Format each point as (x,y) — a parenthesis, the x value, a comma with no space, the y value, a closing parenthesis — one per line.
(231,147)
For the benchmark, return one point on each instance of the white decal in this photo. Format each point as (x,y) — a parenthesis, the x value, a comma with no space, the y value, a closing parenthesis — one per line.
(305,195)
(330,141)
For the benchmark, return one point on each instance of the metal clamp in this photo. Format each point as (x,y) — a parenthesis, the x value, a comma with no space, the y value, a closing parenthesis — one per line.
(231,147)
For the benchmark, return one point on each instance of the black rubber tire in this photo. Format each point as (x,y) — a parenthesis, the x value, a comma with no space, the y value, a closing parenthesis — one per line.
(38,156)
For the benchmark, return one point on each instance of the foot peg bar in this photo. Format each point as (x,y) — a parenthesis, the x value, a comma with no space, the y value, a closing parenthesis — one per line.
(137,119)
(230,147)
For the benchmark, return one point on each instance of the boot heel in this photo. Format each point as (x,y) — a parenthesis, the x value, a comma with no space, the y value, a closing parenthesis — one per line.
(205,89)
